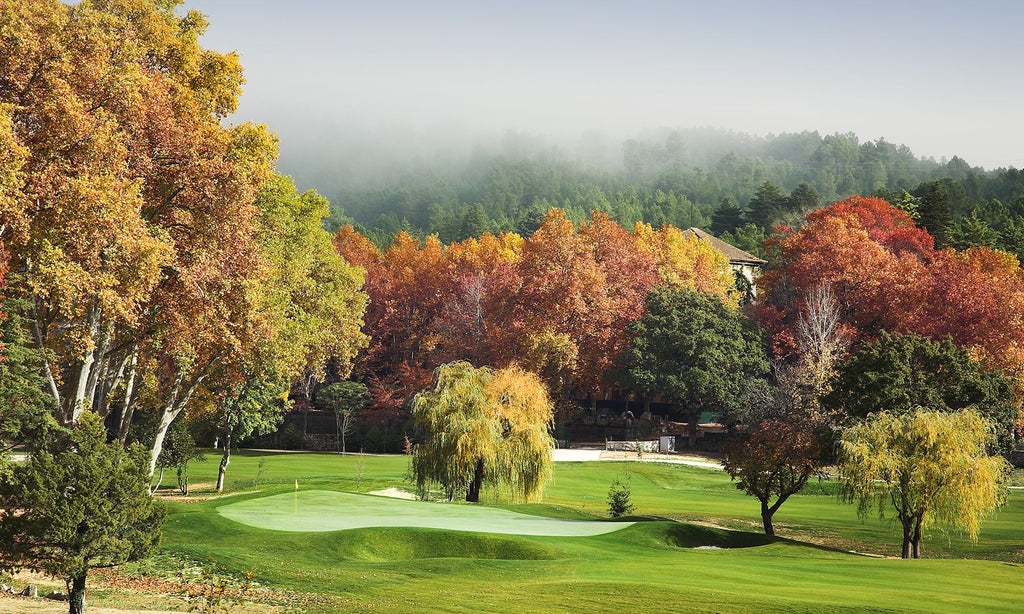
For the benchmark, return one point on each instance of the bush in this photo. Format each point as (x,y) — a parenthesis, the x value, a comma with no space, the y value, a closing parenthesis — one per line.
(618,499)
(291,438)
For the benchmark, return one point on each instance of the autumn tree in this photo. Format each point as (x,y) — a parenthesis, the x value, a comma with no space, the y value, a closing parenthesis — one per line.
(307,308)
(409,286)
(477,263)
(208,318)
(479,426)
(869,254)
(77,504)
(926,467)
(694,352)
(629,274)
(136,236)
(976,298)
(685,261)
(821,340)
(546,305)
(885,275)
(774,462)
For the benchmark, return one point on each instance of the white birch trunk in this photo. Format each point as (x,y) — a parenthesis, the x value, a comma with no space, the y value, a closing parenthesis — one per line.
(51,382)
(77,403)
(128,406)
(171,410)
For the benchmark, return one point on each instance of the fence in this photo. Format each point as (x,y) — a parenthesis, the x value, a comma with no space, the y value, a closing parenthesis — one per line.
(631,446)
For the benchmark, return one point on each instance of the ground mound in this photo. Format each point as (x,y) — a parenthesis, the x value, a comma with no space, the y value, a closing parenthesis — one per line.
(679,535)
(324,510)
(392,544)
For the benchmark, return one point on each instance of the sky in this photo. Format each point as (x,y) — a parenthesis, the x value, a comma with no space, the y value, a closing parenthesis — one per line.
(944,78)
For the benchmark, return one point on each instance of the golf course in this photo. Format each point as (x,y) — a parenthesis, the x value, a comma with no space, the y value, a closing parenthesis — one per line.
(303,524)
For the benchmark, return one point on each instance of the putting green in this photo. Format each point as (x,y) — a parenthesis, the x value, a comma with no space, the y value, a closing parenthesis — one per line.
(325,510)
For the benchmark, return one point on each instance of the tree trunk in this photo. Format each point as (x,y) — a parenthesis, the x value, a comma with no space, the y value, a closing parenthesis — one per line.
(171,410)
(128,407)
(473,493)
(916,539)
(41,344)
(766,519)
(346,426)
(692,430)
(76,405)
(225,460)
(98,373)
(159,481)
(908,537)
(76,595)
(183,479)
(101,400)
(166,417)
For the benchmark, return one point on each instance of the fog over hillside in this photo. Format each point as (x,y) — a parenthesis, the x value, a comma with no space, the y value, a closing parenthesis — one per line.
(359,91)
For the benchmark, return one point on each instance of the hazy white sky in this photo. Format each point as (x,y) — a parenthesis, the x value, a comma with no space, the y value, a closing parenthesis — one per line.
(944,78)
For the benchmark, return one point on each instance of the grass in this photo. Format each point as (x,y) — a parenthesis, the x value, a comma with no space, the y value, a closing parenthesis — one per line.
(328,510)
(656,562)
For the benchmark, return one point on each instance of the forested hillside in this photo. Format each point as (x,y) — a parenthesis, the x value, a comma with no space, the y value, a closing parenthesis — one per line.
(716,180)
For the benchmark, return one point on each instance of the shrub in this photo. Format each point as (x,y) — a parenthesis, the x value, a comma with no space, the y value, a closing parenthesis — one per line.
(291,438)
(618,499)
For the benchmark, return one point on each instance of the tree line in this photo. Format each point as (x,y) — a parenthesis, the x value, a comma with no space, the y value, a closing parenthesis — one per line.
(713,180)
(558,303)
(867,348)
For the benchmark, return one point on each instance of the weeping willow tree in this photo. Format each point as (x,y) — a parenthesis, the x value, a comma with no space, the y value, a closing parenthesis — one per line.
(479,426)
(930,466)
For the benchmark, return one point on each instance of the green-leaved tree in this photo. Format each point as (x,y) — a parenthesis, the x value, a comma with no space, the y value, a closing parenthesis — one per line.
(899,373)
(26,412)
(693,351)
(78,503)
(346,400)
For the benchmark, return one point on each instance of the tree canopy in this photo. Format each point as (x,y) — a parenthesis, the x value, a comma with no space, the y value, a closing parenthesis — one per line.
(901,373)
(928,466)
(693,351)
(78,503)
(887,276)
(774,462)
(478,426)
(558,303)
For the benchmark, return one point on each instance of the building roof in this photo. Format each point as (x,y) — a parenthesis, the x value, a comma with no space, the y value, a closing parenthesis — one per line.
(733,253)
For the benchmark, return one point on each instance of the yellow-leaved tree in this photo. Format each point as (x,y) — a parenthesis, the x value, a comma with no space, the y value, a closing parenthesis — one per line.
(482,426)
(930,466)
(687,262)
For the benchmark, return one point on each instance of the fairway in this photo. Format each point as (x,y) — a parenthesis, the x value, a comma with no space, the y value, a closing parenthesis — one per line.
(326,510)
(414,556)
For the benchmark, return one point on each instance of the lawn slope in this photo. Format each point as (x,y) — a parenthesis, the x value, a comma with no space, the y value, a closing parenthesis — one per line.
(662,560)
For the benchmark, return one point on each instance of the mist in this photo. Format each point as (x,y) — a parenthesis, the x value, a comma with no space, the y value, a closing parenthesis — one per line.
(358,91)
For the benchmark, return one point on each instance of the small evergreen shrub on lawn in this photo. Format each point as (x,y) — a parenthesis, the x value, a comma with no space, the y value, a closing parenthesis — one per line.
(618,499)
